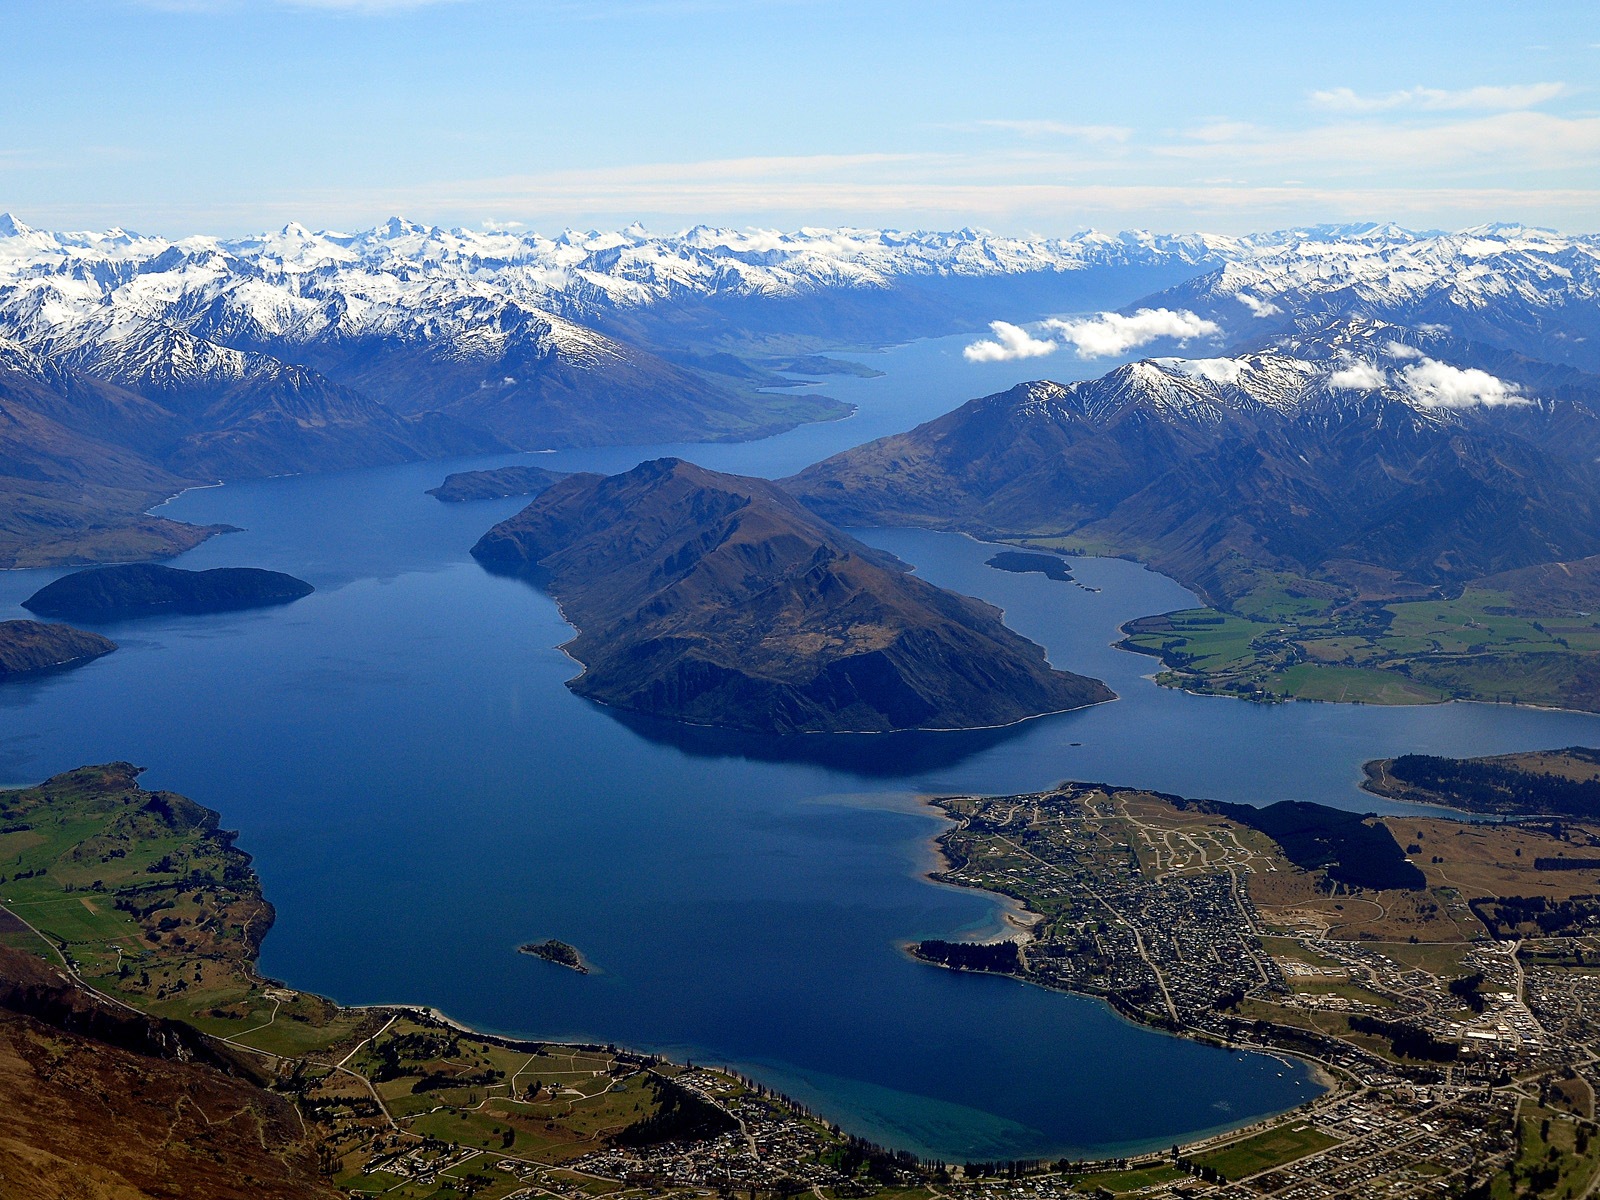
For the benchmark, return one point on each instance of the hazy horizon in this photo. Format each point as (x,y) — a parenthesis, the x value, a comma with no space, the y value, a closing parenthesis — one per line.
(236,116)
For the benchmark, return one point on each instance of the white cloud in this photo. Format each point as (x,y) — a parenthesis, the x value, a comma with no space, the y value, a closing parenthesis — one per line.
(1401,350)
(1414,147)
(1358,377)
(1439,385)
(1506,98)
(1222,131)
(1040,128)
(1112,333)
(1010,342)
(929,191)
(1257,306)
(1101,336)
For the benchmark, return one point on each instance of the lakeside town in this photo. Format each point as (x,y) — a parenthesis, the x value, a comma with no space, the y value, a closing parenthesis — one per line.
(1453,1062)
(1457,1063)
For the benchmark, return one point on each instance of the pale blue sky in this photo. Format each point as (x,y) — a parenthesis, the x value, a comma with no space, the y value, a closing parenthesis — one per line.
(227,116)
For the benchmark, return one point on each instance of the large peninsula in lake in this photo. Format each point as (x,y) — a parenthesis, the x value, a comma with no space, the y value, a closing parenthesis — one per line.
(148,589)
(33,647)
(719,600)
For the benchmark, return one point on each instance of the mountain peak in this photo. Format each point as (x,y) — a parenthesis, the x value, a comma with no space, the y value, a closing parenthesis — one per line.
(1435,461)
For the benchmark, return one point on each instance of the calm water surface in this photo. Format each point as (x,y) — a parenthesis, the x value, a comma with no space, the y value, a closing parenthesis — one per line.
(422,794)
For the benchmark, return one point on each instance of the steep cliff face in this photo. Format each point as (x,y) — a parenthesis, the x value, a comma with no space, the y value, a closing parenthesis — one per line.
(719,600)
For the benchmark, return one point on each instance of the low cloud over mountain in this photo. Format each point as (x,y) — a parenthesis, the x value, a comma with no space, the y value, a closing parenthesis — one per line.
(1104,335)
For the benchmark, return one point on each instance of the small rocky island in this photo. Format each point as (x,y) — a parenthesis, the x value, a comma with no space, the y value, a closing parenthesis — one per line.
(719,600)
(560,953)
(496,484)
(33,648)
(148,589)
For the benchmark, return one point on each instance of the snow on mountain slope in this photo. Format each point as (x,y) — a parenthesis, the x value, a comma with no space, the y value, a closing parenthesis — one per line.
(1531,290)
(300,285)
(1349,442)
(470,310)
(1474,269)
(1327,368)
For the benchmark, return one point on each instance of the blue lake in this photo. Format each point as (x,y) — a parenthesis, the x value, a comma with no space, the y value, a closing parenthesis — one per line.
(422,794)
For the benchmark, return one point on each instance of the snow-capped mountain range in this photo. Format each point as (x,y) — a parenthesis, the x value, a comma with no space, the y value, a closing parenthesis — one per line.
(1346,369)
(129,308)
(138,310)
(1390,267)
(1332,365)
(284,279)
(1529,290)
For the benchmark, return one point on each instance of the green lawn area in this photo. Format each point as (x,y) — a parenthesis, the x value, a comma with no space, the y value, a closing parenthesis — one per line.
(292,1038)
(1464,625)
(79,919)
(1280,598)
(1437,958)
(899,1193)
(451,1185)
(1292,948)
(1267,1149)
(483,1130)
(1348,651)
(1339,987)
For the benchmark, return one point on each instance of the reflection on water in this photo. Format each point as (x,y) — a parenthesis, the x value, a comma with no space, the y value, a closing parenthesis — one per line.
(870,755)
